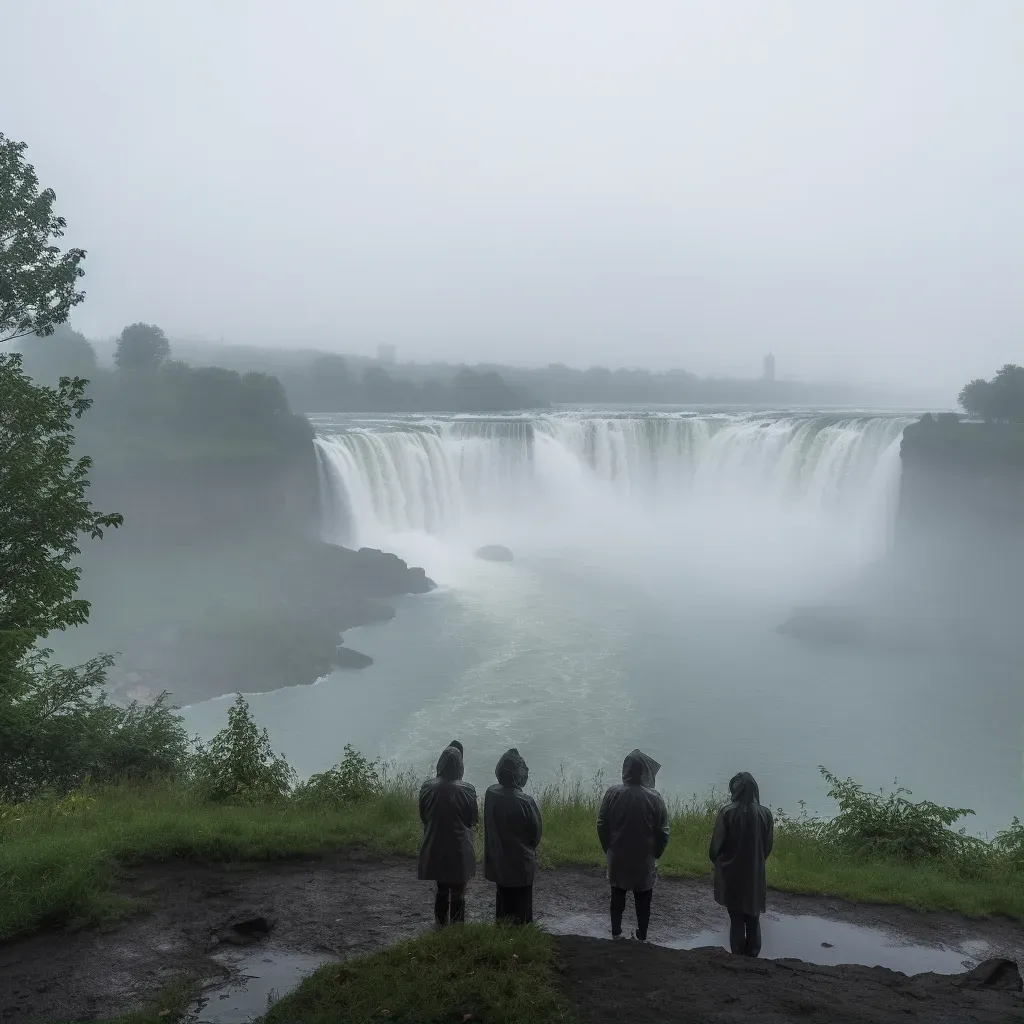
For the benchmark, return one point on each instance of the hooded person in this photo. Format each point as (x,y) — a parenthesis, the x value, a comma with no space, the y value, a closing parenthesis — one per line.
(512,830)
(449,813)
(633,827)
(741,843)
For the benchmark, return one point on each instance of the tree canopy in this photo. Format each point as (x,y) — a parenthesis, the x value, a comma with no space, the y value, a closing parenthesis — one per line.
(142,347)
(37,281)
(43,509)
(999,400)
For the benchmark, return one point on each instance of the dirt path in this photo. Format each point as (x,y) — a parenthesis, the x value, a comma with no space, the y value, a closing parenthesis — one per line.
(343,906)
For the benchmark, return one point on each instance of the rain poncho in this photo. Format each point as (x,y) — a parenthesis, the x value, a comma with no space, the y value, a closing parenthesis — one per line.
(633,826)
(448,811)
(741,843)
(511,825)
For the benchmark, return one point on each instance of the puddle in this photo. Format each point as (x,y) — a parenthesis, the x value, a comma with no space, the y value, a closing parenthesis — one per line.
(257,976)
(801,938)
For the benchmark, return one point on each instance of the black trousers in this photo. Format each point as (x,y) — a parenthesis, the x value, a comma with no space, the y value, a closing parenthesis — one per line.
(744,933)
(642,900)
(514,904)
(450,904)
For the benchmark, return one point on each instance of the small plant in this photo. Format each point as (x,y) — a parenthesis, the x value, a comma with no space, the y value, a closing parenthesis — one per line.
(354,778)
(239,763)
(1009,843)
(889,825)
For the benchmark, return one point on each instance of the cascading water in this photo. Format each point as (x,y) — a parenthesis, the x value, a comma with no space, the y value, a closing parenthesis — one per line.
(382,478)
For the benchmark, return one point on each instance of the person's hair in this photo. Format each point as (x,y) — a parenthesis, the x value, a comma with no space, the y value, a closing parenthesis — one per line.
(457,745)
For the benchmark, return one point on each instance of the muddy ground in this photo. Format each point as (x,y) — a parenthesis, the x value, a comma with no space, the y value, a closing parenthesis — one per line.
(345,906)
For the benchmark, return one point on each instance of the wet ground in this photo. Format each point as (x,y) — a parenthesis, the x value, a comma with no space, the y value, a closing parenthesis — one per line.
(330,909)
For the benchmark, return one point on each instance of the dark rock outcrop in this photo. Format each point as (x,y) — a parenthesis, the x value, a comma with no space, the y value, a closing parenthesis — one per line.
(345,657)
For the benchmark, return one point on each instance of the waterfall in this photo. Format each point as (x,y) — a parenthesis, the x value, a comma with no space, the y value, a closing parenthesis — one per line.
(399,476)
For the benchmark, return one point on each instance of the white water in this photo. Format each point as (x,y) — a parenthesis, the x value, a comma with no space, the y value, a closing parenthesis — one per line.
(656,555)
(579,475)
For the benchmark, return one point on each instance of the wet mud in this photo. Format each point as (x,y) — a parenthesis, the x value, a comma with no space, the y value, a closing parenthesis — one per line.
(199,922)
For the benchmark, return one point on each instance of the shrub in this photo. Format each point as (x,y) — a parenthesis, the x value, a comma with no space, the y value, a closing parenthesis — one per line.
(890,825)
(352,779)
(58,730)
(1009,843)
(239,763)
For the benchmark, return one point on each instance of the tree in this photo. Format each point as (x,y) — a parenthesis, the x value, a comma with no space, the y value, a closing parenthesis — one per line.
(1000,399)
(37,280)
(43,509)
(142,347)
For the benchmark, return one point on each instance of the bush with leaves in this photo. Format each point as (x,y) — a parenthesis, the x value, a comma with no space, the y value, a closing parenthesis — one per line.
(61,731)
(239,764)
(352,779)
(890,825)
(1009,843)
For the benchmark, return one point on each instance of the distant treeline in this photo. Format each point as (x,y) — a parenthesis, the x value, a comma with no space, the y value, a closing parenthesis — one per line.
(436,387)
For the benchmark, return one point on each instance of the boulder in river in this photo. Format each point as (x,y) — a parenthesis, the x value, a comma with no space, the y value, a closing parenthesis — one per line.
(494,553)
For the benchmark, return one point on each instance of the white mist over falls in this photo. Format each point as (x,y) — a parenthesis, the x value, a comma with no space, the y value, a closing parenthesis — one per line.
(656,555)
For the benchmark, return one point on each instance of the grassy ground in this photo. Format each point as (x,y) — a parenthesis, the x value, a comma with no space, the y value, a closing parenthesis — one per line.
(58,861)
(475,973)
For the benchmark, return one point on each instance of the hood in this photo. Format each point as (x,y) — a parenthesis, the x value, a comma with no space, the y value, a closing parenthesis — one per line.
(512,769)
(449,764)
(458,746)
(743,789)
(639,767)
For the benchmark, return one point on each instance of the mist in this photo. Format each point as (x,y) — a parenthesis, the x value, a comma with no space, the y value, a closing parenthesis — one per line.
(676,185)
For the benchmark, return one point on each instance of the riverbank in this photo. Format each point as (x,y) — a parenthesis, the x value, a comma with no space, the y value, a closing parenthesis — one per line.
(59,862)
(239,932)
(260,613)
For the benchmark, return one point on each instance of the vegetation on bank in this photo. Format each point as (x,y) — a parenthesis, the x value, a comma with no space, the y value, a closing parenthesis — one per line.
(476,972)
(236,800)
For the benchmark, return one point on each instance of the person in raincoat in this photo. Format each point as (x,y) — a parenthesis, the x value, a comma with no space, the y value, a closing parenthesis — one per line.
(740,845)
(633,827)
(449,813)
(512,829)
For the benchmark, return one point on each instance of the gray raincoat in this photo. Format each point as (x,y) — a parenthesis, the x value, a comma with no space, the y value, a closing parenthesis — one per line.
(511,825)
(448,811)
(741,844)
(633,826)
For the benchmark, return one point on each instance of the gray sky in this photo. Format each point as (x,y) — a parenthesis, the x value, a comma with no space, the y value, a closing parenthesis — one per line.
(659,183)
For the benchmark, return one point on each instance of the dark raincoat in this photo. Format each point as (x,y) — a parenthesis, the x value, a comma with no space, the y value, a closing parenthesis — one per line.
(511,825)
(741,844)
(633,826)
(448,811)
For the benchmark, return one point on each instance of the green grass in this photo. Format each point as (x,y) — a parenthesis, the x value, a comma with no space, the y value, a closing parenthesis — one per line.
(470,973)
(58,862)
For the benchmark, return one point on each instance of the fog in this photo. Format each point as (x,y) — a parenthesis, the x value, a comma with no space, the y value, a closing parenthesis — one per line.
(669,184)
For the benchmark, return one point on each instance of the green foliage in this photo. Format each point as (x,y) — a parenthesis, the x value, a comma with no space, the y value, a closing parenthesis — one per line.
(44,510)
(354,778)
(59,732)
(239,763)
(998,400)
(475,972)
(889,825)
(1010,844)
(37,280)
(142,347)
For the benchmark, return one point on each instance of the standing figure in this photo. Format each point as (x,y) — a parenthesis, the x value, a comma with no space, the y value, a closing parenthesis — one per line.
(741,844)
(511,835)
(449,813)
(633,827)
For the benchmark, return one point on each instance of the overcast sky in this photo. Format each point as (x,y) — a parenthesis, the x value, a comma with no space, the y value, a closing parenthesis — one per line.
(648,183)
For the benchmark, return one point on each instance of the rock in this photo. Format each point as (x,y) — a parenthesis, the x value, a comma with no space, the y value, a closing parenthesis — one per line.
(494,553)
(243,933)
(347,658)
(998,974)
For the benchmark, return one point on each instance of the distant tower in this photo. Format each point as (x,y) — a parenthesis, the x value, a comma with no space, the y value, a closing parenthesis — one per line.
(386,353)
(769,368)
